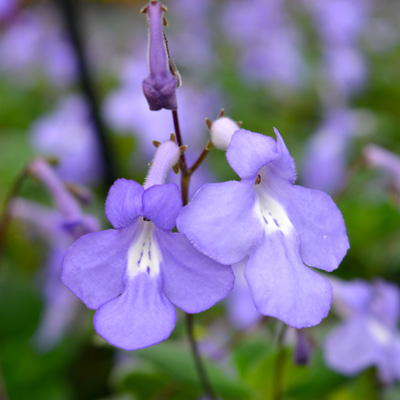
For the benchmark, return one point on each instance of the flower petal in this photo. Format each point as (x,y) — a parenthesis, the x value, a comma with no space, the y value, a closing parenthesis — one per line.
(142,316)
(161,204)
(320,226)
(192,281)
(350,348)
(94,266)
(283,287)
(221,221)
(248,152)
(124,202)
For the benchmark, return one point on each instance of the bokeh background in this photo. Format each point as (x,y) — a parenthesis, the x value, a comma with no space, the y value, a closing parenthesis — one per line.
(325,73)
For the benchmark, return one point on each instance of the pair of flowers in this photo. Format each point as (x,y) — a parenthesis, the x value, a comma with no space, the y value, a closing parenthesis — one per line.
(135,273)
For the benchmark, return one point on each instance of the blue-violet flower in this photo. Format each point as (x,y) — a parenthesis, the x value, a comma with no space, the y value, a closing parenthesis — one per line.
(279,227)
(135,273)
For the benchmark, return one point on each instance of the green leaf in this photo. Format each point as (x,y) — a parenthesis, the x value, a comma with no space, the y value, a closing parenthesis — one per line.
(177,363)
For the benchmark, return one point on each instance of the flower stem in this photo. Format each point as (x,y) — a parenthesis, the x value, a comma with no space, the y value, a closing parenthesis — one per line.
(5,216)
(205,383)
(185,182)
(277,385)
(201,158)
(70,12)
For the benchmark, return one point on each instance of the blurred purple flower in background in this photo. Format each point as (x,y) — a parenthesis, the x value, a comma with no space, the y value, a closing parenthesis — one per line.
(193,32)
(381,159)
(67,134)
(33,45)
(267,41)
(369,335)
(326,157)
(340,24)
(60,226)
(135,273)
(242,311)
(279,226)
(7,9)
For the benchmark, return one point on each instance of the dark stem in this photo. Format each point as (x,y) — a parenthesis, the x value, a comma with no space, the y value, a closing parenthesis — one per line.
(70,12)
(5,216)
(185,181)
(179,139)
(277,383)
(201,158)
(205,383)
(185,178)
(3,392)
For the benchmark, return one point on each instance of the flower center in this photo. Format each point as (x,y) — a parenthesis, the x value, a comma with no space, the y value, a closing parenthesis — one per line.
(144,255)
(272,214)
(379,331)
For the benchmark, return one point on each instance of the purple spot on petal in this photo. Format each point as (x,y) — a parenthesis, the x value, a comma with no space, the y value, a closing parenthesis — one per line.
(148,269)
(276,222)
(269,213)
(265,221)
(140,259)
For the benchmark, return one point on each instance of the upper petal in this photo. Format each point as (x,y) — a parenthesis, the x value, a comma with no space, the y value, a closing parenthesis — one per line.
(192,281)
(283,287)
(320,227)
(386,303)
(248,152)
(221,221)
(161,204)
(124,202)
(142,316)
(94,266)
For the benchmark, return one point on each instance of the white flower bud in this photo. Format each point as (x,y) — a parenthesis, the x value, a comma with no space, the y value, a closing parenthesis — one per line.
(222,130)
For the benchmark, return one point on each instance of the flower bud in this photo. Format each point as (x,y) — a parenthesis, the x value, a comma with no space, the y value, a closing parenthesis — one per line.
(159,87)
(302,351)
(222,130)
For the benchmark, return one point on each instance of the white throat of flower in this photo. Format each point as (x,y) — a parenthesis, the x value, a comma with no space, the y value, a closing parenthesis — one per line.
(272,214)
(379,331)
(144,255)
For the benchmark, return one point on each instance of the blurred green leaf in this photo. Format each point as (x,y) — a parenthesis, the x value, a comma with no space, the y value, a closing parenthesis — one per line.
(177,363)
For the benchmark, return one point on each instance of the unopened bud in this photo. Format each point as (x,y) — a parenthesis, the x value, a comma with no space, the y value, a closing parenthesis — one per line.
(302,352)
(222,130)
(160,86)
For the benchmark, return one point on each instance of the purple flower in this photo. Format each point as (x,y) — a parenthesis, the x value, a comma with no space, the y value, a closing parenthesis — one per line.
(369,334)
(159,87)
(68,135)
(135,273)
(278,226)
